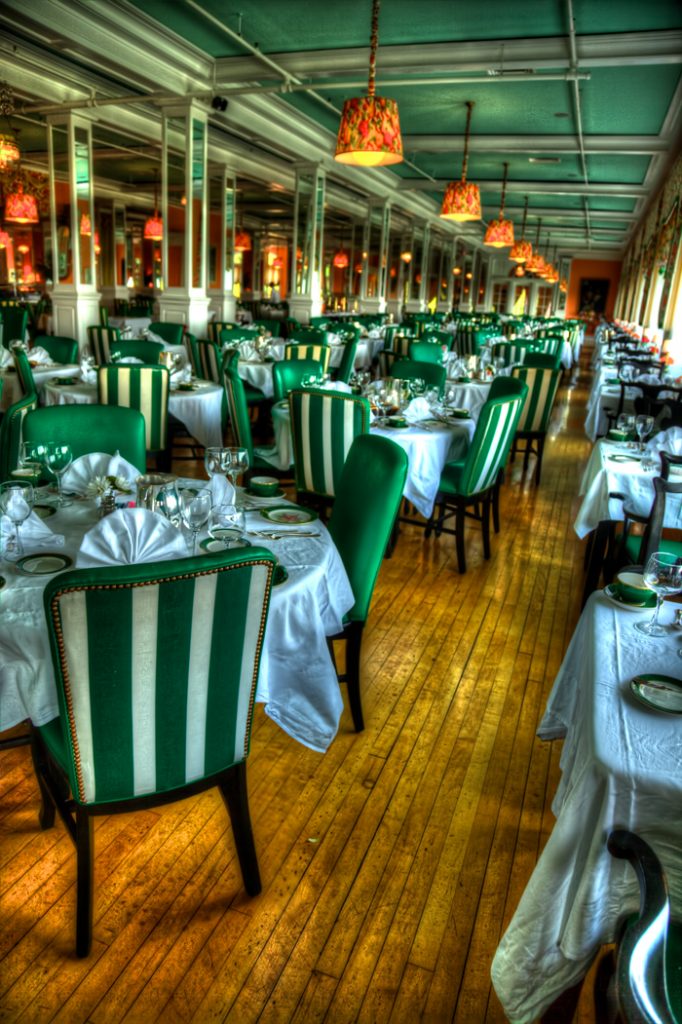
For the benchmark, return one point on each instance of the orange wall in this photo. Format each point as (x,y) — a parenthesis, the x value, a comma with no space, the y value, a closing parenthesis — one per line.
(592,269)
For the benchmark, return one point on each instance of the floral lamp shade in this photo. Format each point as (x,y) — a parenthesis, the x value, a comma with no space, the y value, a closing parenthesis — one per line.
(9,151)
(153,228)
(340,259)
(242,242)
(369,132)
(521,251)
(21,207)
(5,240)
(461,202)
(500,232)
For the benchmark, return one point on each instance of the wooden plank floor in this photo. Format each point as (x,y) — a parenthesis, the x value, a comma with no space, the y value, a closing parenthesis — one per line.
(391,865)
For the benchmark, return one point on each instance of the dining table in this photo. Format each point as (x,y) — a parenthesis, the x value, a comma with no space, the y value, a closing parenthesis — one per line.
(621,767)
(297,683)
(12,390)
(199,409)
(256,368)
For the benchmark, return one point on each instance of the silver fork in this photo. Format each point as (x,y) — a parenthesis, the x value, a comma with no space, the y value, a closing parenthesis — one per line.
(281,536)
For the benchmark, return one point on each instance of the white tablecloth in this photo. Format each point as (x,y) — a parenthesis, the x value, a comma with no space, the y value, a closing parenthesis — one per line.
(298,683)
(471,396)
(11,389)
(621,768)
(200,411)
(133,326)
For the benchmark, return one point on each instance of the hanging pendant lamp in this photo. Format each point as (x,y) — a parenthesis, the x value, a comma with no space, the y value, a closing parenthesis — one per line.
(21,207)
(340,259)
(522,251)
(85,226)
(462,200)
(500,231)
(9,148)
(5,239)
(153,226)
(369,132)
(242,241)
(533,265)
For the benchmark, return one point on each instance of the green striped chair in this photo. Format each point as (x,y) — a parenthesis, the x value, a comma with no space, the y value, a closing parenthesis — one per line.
(24,371)
(386,361)
(431,373)
(208,360)
(401,345)
(543,360)
(311,335)
(156,668)
(11,433)
(137,348)
(288,374)
(145,388)
(104,316)
(424,351)
(214,328)
(60,349)
(323,426)
(347,364)
(91,428)
(511,351)
(532,426)
(238,409)
(321,353)
(466,487)
(446,338)
(170,333)
(14,323)
(100,340)
(366,506)
(551,344)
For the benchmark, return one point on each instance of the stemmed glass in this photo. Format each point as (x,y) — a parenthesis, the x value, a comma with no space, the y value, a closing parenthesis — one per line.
(236,463)
(227,525)
(663,575)
(215,461)
(16,502)
(626,423)
(643,425)
(56,459)
(195,510)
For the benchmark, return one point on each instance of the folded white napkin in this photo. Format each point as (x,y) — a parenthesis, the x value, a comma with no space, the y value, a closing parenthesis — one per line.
(40,356)
(131,535)
(5,358)
(88,374)
(337,385)
(34,532)
(669,440)
(418,409)
(154,337)
(247,350)
(129,359)
(223,491)
(88,468)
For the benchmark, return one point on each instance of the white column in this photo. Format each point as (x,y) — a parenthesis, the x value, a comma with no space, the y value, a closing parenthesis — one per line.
(305,299)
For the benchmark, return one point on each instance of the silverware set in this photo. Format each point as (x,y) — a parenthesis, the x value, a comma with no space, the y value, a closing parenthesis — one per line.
(281,536)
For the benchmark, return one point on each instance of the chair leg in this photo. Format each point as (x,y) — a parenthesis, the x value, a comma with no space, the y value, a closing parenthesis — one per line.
(459,538)
(84,883)
(538,468)
(233,789)
(353,649)
(485,526)
(47,807)
(496,501)
(526,455)
(440,519)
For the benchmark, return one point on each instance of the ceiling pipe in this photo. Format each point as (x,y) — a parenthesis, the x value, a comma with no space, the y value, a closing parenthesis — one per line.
(578,114)
(113,101)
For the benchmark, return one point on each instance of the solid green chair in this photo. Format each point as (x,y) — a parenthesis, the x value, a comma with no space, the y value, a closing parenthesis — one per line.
(170,333)
(321,353)
(60,349)
(502,386)
(15,324)
(347,364)
(24,371)
(323,427)
(409,369)
(135,730)
(320,321)
(238,409)
(100,340)
(466,487)
(11,433)
(273,326)
(288,374)
(367,502)
(137,348)
(91,428)
(543,385)
(426,352)
(145,388)
(311,335)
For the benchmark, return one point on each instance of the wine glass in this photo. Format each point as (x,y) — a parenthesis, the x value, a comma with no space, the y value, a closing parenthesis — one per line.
(626,423)
(236,463)
(168,504)
(643,425)
(215,461)
(56,459)
(663,575)
(195,508)
(16,502)
(30,467)
(227,525)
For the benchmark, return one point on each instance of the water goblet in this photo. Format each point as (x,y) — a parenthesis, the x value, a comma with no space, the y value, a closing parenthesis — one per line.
(195,509)
(236,463)
(418,386)
(16,502)
(227,525)
(56,459)
(626,423)
(663,575)
(643,425)
(168,504)
(215,461)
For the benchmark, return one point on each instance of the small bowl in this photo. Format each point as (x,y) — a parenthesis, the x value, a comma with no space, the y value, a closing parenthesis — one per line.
(264,486)
(620,435)
(633,589)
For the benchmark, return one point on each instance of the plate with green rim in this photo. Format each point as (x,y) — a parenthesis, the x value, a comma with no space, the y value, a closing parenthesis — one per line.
(457,414)
(280,575)
(44,564)
(65,381)
(289,515)
(224,540)
(663,693)
(612,593)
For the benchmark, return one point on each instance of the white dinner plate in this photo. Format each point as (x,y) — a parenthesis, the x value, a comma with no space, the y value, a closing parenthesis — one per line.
(664,693)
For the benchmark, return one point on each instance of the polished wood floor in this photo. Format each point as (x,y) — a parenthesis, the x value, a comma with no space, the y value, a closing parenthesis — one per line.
(391,865)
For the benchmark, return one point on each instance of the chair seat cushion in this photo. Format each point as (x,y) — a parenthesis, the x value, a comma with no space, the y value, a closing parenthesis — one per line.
(450,477)
(634,542)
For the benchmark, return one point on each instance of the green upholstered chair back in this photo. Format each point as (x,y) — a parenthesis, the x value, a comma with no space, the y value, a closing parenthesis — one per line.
(91,428)
(319,321)
(409,369)
(209,360)
(323,426)
(465,344)
(170,333)
(542,389)
(390,330)
(426,352)
(100,340)
(137,348)
(543,360)
(347,363)
(156,668)
(273,326)
(552,344)
(11,433)
(236,335)
(24,371)
(14,324)
(61,349)
(312,335)
(190,343)
(321,353)
(490,444)
(215,327)
(288,374)
(401,345)
(104,316)
(139,387)
(237,404)
(367,501)
(502,387)
(446,338)
(386,361)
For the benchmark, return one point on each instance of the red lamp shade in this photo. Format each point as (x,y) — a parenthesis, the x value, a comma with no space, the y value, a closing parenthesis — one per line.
(340,259)
(500,232)
(86,226)
(277,263)
(242,242)
(521,251)
(563,285)
(98,247)
(461,202)
(5,240)
(358,268)
(9,151)
(406,256)
(21,207)
(369,132)
(153,228)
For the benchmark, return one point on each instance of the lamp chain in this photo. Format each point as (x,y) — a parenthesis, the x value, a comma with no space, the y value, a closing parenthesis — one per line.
(537,240)
(504,190)
(465,158)
(373,43)
(525,214)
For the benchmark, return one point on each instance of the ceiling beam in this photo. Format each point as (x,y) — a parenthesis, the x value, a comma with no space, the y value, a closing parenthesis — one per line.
(491,210)
(556,188)
(631,144)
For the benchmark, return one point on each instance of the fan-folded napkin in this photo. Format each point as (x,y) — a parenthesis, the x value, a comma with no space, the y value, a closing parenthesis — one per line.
(85,469)
(417,410)
(34,532)
(669,440)
(128,536)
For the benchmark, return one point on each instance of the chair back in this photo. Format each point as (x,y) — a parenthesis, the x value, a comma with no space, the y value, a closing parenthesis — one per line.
(100,340)
(401,345)
(15,324)
(288,374)
(367,502)
(489,447)
(137,348)
(24,371)
(273,326)
(182,640)
(11,433)
(386,361)
(321,353)
(347,363)
(214,328)
(170,333)
(312,335)
(323,425)
(446,338)
(503,387)
(426,352)
(653,531)
(551,344)
(543,360)
(209,360)
(237,404)
(511,351)
(60,349)
(139,387)
(431,373)
(236,335)
(91,428)
(542,388)
(104,316)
